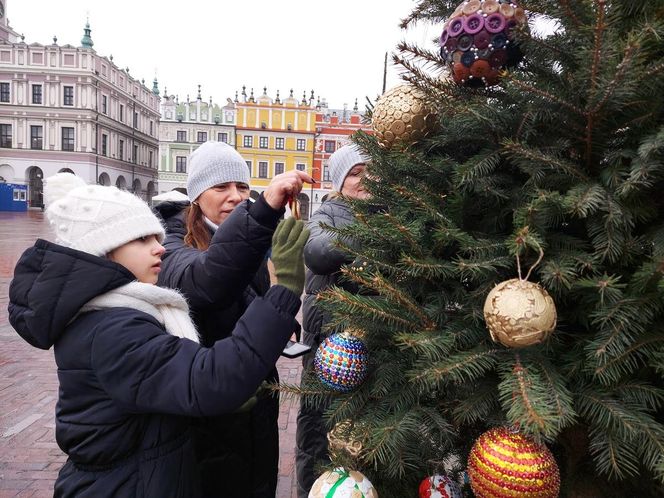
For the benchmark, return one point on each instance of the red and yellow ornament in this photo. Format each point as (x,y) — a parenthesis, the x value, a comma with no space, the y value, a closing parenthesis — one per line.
(507,464)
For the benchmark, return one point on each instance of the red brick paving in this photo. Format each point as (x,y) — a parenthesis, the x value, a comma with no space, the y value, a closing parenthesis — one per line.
(29,457)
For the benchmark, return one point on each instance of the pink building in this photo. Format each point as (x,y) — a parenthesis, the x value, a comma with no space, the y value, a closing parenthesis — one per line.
(66,108)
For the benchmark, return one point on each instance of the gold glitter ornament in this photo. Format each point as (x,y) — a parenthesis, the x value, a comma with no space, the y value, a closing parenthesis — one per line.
(401,115)
(346,437)
(519,313)
(504,463)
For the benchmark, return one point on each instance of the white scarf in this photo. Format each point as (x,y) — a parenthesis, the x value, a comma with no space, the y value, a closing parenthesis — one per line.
(167,306)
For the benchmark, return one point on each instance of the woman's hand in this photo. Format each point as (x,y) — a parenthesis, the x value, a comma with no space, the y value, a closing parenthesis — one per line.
(284,186)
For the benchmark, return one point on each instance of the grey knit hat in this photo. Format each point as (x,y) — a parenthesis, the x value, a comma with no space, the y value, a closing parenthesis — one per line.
(342,161)
(214,163)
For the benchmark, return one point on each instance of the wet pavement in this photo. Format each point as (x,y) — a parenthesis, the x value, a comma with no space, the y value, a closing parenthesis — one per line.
(29,456)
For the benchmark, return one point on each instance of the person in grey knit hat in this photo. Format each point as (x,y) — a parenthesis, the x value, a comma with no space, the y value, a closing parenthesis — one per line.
(324,259)
(216,245)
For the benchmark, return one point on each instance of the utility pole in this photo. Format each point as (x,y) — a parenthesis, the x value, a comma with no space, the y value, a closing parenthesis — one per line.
(385,73)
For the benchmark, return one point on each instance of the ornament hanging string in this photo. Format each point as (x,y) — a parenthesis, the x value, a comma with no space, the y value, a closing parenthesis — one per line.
(518,264)
(294,206)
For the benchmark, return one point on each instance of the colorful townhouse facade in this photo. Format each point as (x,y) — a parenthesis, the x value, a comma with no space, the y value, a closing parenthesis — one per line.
(275,136)
(66,108)
(184,127)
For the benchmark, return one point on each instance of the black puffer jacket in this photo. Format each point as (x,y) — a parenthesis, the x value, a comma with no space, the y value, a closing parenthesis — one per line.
(323,260)
(238,454)
(127,388)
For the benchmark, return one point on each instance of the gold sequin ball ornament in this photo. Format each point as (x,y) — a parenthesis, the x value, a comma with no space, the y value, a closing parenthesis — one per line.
(478,41)
(519,313)
(504,463)
(340,483)
(402,116)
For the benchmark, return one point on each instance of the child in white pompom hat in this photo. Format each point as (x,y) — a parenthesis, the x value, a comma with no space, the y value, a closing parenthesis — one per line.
(130,368)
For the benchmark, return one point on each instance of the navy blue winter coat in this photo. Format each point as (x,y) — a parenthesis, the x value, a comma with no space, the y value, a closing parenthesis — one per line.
(128,389)
(238,454)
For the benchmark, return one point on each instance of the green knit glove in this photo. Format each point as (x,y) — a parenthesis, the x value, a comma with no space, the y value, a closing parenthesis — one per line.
(287,248)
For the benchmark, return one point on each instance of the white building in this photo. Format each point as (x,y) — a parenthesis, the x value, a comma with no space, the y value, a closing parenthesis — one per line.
(65,108)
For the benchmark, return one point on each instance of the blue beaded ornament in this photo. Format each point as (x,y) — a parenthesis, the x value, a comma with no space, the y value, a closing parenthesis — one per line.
(341,362)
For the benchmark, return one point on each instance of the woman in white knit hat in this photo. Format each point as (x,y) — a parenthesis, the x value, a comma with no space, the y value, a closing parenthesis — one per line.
(347,167)
(130,366)
(215,255)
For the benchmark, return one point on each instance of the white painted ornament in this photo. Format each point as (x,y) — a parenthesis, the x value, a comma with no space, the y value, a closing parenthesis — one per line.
(519,313)
(439,486)
(340,483)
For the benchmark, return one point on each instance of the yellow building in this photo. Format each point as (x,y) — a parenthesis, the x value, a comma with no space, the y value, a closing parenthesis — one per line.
(275,136)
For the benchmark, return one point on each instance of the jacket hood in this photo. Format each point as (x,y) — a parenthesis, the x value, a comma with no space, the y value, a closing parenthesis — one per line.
(51,283)
(172,214)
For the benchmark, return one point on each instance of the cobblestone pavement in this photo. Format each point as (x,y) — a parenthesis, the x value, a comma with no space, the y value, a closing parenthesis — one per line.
(29,456)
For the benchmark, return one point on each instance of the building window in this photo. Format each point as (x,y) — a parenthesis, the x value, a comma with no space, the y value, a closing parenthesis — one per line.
(68,95)
(104,104)
(279,143)
(222,137)
(201,137)
(249,166)
(301,167)
(135,158)
(121,150)
(36,94)
(104,144)
(151,127)
(6,136)
(326,173)
(248,141)
(262,169)
(150,156)
(121,113)
(301,144)
(36,137)
(330,146)
(181,136)
(180,164)
(278,168)
(68,138)
(135,120)
(263,142)
(4,92)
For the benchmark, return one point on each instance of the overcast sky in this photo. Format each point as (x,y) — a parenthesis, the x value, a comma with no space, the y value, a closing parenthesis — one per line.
(336,48)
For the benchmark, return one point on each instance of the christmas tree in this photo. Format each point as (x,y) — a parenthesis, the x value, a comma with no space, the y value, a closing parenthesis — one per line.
(555,175)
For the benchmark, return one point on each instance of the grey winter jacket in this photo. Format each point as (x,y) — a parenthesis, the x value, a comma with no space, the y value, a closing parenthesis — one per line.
(323,261)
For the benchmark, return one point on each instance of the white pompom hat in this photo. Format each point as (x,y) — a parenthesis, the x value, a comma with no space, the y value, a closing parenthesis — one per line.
(96,219)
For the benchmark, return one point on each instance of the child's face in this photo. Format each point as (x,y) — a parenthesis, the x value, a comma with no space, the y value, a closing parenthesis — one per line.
(142,257)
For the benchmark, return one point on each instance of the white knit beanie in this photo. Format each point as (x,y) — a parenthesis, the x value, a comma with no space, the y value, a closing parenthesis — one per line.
(214,163)
(96,219)
(342,161)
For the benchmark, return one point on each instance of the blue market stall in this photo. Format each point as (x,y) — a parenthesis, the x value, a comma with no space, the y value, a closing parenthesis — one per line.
(13,197)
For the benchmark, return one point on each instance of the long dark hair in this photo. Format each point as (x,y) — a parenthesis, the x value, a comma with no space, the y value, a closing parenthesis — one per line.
(198,233)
